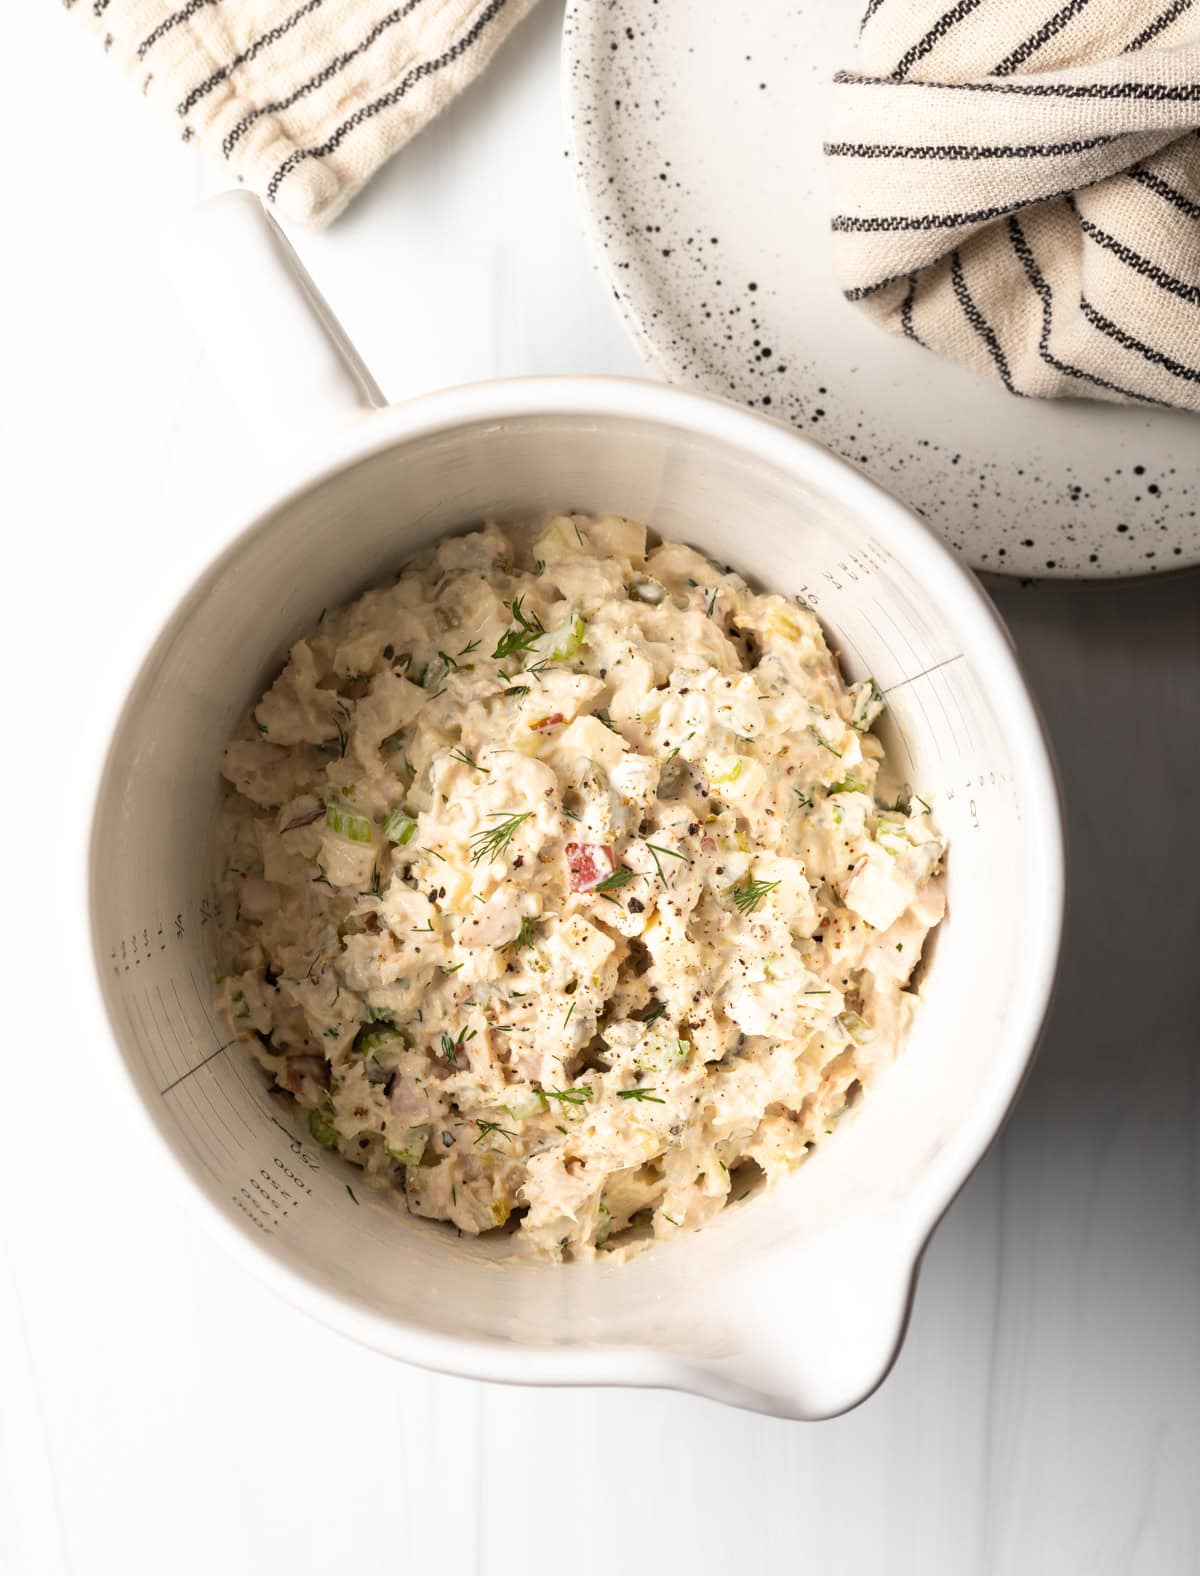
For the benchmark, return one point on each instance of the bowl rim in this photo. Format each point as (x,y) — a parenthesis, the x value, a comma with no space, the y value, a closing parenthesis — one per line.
(766,441)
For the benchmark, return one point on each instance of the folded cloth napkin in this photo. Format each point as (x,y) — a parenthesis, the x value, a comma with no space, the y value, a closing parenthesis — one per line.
(1016,185)
(302,100)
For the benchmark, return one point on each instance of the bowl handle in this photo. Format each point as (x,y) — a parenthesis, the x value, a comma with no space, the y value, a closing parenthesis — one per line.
(811,1336)
(283,356)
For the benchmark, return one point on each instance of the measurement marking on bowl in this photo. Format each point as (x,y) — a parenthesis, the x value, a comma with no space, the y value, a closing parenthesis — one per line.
(925,636)
(198,1066)
(933,733)
(924,673)
(189,1131)
(201,1096)
(232,1063)
(928,635)
(183,1017)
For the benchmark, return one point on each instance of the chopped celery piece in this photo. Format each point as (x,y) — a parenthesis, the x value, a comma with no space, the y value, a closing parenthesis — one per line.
(323,1129)
(399,828)
(723,768)
(859,1030)
(521,1106)
(409,1147)
(891,834)
(773,966)
(561,642)
(849,784)
(381,1041)
(348,823)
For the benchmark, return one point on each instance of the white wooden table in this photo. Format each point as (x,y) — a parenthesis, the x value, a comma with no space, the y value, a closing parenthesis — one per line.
(158,1411)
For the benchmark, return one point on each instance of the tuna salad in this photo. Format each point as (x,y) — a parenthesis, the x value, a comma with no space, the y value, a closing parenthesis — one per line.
(559,888)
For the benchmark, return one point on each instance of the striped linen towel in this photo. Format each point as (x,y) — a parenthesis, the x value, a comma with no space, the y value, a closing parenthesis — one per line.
(302,100)
(1016,185)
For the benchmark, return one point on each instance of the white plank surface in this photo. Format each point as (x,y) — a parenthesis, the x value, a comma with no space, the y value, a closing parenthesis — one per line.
(160,1412)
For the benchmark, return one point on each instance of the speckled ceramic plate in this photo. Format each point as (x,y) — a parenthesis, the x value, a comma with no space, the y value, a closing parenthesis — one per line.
(696,129)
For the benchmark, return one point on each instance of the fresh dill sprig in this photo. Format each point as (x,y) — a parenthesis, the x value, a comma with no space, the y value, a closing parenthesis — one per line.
(825,744)
(522,636)
(751,895)
(620,877)
(655,850)
(602,716)
(580,1094)
(640,1094)
(678,747)
(670,852)
(570,1010)
(466,651)
(491,843)
(523,937)
(803,799)
(657,1011)
(451,1047)
(461,755)
(487,1128)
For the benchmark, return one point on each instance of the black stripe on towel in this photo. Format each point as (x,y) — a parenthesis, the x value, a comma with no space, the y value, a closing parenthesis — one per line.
(418,74)
(936,33)
(962,150)
(1156,184)
(264,41)
(338,63)
(861,292)
(980,323)
(852,224)
(1159,25)
(872,7)
(1155,357)
(1035,41)
(906,312)
(1041,287)
(1149,92)
(1139,264)
(184,14)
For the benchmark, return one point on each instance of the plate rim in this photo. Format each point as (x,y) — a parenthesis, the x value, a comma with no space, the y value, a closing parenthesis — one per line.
(581,22)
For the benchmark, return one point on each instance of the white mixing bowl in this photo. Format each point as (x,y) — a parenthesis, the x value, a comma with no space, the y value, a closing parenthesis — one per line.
(793,1302)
